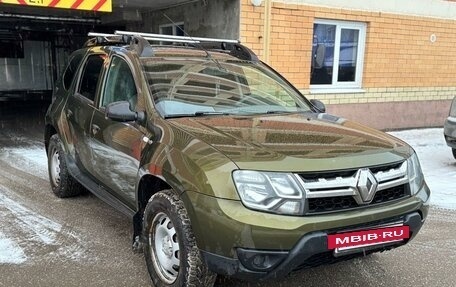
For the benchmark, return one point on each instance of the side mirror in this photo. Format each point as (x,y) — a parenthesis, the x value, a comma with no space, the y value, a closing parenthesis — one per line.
(121,112)
(318,105)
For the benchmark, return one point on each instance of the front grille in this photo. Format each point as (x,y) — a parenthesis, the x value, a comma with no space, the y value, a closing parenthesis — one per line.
(336,203)
(385,167)
(328,204)
(349,189)
(326,258)
(390,194)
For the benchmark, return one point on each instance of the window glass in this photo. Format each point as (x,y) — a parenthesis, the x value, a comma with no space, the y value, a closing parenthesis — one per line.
(71,70)
(179,30)
(120,85)
(348,55)
(91,75)
(323,54)
(167,30)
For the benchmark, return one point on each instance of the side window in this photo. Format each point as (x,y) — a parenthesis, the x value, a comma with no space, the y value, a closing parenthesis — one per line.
(172,29)
(120,85)
(70,71)
(337,54)
(175,29)
(90,76)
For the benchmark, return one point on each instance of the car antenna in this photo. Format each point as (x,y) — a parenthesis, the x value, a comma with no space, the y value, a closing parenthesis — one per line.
(208,55)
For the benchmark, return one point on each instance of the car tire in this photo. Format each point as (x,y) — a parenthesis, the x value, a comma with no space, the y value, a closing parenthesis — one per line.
(62,183)
(170,250)
(454,152)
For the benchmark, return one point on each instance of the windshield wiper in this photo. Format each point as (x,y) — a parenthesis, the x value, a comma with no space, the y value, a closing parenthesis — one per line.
(278,112)
(196,114)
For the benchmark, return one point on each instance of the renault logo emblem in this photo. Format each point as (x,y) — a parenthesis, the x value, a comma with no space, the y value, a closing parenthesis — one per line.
(366,184)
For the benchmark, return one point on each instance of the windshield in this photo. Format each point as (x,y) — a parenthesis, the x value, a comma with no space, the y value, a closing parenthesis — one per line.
(196,87)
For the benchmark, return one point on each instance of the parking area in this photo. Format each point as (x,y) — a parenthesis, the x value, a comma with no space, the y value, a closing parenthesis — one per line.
(47,241)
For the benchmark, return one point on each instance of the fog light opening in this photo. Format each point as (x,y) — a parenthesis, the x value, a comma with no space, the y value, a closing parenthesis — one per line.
(257,260)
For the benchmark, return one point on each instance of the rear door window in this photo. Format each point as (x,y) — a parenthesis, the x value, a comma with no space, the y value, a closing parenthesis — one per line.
(70,71)
(91,76)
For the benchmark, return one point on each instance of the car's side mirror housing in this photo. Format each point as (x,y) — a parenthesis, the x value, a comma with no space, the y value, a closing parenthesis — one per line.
(318,105)
(121,112)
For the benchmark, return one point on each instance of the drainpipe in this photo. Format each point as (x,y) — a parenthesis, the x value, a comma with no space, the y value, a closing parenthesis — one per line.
(267,30)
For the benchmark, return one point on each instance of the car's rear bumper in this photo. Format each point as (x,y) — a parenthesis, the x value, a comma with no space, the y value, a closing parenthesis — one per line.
(449,130)
(311,250)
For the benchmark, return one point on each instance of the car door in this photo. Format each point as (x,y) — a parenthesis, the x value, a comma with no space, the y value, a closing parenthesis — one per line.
(80,106)
(117,146)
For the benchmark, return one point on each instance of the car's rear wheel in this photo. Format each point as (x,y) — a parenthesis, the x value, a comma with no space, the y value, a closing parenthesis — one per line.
(454,153)
(63,185)
(171,253)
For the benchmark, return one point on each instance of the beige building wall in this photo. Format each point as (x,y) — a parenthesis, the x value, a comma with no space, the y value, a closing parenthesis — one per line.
(409,66)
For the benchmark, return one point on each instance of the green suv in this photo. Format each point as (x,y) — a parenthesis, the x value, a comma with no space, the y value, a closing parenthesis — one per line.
(223,166)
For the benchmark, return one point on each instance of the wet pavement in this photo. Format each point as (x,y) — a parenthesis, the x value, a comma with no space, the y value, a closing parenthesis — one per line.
(47,241)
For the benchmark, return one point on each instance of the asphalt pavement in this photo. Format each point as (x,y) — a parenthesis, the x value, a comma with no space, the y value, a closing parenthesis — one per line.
(47,241)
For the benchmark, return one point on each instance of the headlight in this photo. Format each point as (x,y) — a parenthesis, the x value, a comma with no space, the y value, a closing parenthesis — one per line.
(453,108)
(269,191)
(415,174)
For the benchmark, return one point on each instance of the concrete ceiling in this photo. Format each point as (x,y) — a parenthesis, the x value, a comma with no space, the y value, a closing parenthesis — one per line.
(151,4)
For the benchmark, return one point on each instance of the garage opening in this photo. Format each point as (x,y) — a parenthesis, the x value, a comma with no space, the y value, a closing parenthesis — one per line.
(35,44)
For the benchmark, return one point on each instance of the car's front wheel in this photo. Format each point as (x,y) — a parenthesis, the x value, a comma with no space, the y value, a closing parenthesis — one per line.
(62,183)
(172,256)
(454,153)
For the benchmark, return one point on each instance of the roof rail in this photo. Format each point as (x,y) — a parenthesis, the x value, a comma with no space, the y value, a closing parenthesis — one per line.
(94,34)
(140,42)
(177,39)
(104,39)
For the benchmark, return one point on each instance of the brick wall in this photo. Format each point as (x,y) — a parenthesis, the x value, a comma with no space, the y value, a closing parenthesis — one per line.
(252,26)
(401,63)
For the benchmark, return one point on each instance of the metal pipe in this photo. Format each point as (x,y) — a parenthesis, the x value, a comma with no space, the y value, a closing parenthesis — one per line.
(267,30)
(94,34)
(177,38)
(51,18)
(165,38)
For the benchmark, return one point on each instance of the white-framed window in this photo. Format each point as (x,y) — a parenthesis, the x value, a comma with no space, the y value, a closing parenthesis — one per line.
(175,29)
(337,55)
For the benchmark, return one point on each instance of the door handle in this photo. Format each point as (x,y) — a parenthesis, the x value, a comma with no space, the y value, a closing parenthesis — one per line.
(95,129)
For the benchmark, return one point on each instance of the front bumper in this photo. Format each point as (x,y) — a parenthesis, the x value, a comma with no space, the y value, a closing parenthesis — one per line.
(449,130)
(310,251)
(231,236)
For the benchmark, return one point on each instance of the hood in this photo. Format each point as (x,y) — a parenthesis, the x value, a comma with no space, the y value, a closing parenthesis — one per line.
(295,142)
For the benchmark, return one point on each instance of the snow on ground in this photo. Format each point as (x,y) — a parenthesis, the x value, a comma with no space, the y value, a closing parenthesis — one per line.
(42,228)
(25,233)
(32,159)
(437,162)
(10,251)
